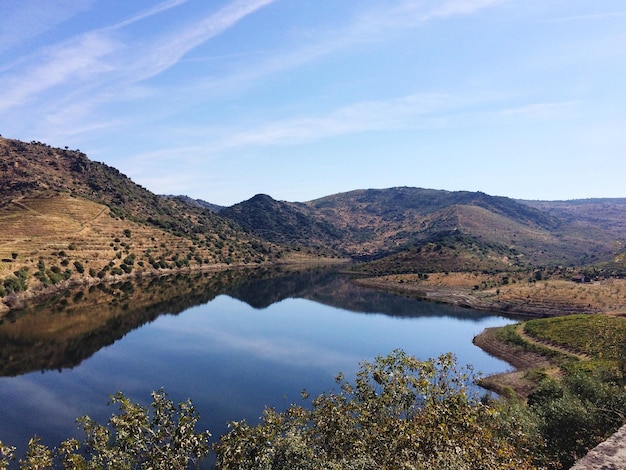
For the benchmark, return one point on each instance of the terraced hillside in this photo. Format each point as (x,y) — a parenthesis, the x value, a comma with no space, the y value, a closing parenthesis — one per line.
(65,219)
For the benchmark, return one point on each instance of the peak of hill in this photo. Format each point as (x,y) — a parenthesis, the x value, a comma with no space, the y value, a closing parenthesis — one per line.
(38,170)
(439,230)
(67,219)
(283,222)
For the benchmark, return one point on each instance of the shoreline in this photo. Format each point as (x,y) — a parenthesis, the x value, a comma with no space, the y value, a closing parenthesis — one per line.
(546,299)
(462,297)
(17,301)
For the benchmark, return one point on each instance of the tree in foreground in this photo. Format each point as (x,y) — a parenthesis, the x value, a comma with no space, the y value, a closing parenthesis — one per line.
(159,437)
(400,413)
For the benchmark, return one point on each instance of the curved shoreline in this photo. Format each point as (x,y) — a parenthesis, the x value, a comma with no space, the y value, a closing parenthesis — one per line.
(520,359)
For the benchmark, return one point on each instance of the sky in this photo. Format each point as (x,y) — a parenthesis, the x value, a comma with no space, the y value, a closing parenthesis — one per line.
(224,99)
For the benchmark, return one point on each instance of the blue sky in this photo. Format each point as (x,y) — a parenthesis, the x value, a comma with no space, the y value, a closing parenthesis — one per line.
(221,100)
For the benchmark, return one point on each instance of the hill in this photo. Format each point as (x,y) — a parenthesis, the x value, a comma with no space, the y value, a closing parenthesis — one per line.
(66,219)
(413,229)
(288,223)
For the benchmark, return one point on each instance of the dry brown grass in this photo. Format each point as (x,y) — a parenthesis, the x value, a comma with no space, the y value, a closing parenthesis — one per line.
(602,296)
(61,230)
(485,291)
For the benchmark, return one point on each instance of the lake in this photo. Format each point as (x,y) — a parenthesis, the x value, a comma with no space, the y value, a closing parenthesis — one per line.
(233,342)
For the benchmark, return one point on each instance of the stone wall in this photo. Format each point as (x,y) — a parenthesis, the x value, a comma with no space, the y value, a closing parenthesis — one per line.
(609,455)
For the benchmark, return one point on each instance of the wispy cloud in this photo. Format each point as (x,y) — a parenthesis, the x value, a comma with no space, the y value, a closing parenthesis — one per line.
(401,113)
(461,7)
(72,81)
(370,26)
(169,49)
(542,110)
(27,19)
(160,8)
(589,17)
(101,60)
(79,60)
(412,112)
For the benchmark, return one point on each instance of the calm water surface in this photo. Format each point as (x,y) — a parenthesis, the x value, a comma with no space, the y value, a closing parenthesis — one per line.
(246,343)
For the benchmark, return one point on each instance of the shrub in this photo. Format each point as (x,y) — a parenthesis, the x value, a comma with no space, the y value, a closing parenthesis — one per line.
(17,283)
(79,267)
(400,413)
(577,413)
(162,436)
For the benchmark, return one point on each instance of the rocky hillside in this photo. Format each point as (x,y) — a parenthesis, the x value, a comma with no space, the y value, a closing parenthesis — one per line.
(66,219)
(413,229)
(287,223)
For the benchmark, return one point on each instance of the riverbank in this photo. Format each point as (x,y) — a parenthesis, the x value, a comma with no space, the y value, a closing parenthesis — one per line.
(553,348)
(507,295)
(38,293)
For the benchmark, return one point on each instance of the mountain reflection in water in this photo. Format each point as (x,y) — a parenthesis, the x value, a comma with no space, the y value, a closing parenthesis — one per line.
(234,342)
(73,326)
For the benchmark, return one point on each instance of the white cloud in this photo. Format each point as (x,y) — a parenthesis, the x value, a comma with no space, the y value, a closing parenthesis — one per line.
(461,7)
(98,61)
(543,110)
(161,7)
(402,113)
(168,50)
(79,60)
(25,19)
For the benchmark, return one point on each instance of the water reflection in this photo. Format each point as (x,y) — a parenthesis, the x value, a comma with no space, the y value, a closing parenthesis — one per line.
(71,327)
(234,342)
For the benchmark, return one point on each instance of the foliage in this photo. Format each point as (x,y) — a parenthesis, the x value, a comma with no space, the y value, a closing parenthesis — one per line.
(400,413)
(6,454)
(577,413)
(600,336)
(587,403)
(159,437)
(18,282)
(79,267)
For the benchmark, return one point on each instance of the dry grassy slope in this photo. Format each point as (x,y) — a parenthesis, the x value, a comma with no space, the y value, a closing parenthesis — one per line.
(398,218)
(379,219)
(602,220)
(36,169)
(65,218)
(60,230)
(606,213)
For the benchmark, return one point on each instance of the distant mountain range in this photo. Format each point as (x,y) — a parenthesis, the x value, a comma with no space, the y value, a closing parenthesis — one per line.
(442,230)
(64,217)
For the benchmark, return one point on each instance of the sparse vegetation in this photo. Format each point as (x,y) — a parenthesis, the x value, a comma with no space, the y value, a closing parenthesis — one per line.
(162,436)
(59,210)
(585,395)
